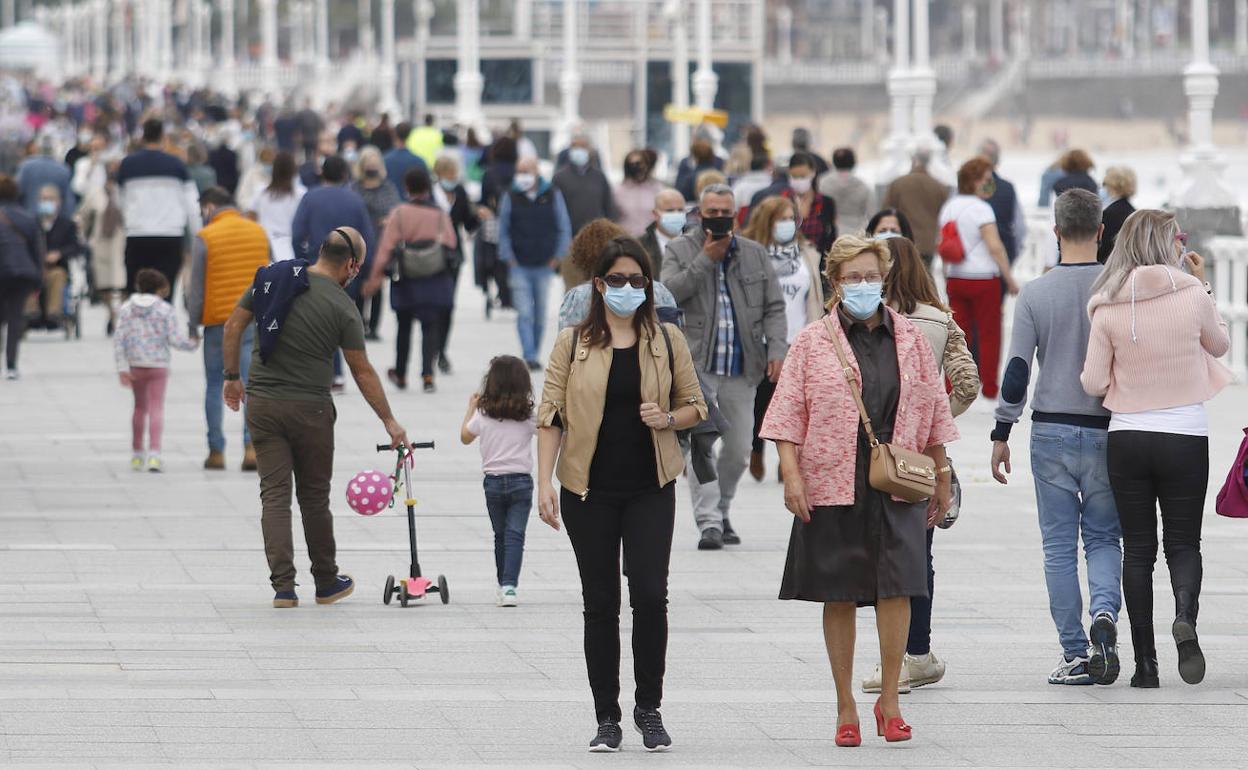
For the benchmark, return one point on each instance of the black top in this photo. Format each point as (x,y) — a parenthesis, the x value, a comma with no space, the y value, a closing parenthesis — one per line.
(624,458)
(876,352)
(1113,218)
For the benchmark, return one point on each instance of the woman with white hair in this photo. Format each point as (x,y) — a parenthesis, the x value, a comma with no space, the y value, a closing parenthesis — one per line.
(380,199)
(1117,190)
(1156,337)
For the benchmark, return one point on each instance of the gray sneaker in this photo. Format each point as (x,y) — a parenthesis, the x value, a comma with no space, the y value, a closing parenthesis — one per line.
(1071,671)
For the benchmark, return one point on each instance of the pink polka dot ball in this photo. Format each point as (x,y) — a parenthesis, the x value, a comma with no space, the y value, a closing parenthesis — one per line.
(369,492)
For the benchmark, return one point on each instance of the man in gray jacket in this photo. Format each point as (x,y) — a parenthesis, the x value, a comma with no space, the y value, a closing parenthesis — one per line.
(736,327)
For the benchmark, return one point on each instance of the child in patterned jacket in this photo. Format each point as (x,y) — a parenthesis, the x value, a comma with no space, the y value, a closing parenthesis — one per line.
(147,327)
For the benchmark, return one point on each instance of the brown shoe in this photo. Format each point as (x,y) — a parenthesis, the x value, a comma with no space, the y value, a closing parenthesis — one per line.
(249,458)
(758,468)
(215,461)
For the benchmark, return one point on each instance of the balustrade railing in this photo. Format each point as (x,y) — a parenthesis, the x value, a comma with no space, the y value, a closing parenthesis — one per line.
(1230,289)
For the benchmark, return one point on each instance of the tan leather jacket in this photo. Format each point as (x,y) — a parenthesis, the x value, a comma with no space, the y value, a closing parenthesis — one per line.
(576,392)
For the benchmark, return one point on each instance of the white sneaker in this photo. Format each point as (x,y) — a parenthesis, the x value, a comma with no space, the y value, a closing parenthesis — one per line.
(923,669)
(1071,672)
(874,683)
(154,464)
(507,596)
(136,463)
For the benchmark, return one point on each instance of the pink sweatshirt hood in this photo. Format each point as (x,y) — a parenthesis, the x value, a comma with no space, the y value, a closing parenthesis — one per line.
(1144,284)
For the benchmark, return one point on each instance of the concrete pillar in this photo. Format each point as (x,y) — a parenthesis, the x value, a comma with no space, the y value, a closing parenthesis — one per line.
(705,81)
(923,77)
(996,30)
(226,58)
(386,83)
(364,25)
(123,44)
(570,77)
(423,13)
(969,48)
(897,144)
(166,40)
(784,35)
(468,80)
(268,46)
(674,12)
(1202,185)
(99,43)
(641,45)
(1241,27)
(322,38)
(866,25)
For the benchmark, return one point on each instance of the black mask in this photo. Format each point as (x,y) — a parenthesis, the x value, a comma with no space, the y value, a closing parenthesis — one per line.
(634,170)
(372,173)
(719,227)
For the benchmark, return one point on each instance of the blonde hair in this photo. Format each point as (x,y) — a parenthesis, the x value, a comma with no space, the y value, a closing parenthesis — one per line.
(370,157)
(446,165)
(846,248)
(1146,238)
(763,219)
(705,179)
(1120,181)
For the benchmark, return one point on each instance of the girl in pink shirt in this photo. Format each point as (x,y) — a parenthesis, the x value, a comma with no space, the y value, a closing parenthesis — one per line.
(502,415)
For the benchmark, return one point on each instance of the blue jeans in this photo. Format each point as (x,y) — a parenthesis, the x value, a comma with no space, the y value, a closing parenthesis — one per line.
(508,499)
(1074,498)
(214,368)
(529,287)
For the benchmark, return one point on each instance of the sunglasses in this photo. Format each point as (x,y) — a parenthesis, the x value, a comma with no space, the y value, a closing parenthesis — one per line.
(619,280)
(1182,238)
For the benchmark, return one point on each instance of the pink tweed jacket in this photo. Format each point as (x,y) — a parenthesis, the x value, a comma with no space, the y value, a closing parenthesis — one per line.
(813,407)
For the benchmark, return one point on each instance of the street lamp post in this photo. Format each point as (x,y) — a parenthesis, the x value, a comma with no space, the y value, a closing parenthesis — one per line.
(364,10)
(674,11)
(705,81)
(468,80)
(570,77)
(896,145)
(1202,163)
(122,43)
(922,76)
(228,84)
(268,40)
(389,104)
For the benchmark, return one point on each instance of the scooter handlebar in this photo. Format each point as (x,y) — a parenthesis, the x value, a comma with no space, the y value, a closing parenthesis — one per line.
(416,445)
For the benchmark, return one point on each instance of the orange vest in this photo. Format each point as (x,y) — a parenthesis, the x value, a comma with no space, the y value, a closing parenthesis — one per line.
(236,248)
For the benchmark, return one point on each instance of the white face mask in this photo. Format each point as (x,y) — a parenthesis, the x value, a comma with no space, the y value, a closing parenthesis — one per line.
(524,182)
(800,184)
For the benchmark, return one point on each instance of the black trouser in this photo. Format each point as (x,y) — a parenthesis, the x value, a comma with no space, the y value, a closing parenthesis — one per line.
(920,640)
(374,314)
(430,339)
(157,252)
(762,400)
(1171,470)
(13,319)
(447,315)
(643,522)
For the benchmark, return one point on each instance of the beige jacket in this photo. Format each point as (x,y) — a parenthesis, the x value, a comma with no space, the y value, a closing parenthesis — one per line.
(576,392)
(948,343)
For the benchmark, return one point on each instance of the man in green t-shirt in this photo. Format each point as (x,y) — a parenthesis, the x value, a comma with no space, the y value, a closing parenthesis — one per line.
(290,412)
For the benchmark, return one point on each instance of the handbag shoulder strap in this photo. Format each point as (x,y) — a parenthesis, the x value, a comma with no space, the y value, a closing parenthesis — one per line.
(849,377)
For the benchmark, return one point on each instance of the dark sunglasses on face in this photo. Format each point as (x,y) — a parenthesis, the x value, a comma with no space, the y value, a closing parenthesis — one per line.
(618,280)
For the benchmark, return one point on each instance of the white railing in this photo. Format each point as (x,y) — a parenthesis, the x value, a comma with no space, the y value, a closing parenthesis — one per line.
(1230,288)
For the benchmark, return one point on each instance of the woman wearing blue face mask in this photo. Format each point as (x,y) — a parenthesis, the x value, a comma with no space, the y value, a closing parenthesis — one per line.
(618,387)
(773,223)
(60,234)
(851,544)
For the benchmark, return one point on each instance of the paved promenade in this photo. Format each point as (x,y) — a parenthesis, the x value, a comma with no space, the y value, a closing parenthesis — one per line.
(135,627)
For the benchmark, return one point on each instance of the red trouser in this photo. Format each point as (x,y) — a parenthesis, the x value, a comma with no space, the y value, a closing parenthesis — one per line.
(976,305)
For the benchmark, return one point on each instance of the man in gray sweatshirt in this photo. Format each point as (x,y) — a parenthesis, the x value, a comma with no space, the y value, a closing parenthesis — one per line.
(1069,434)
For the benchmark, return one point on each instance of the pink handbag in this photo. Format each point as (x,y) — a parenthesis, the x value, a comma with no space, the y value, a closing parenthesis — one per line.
(1233,498)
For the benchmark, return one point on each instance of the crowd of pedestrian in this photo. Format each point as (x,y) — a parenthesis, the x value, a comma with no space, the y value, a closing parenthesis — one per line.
(759,298)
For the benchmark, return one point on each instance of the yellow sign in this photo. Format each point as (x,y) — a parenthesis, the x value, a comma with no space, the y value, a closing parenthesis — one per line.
(695,116)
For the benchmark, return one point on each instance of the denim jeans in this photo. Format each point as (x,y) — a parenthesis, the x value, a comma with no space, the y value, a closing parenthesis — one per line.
(508,499)
(1074,498)
(529,287)
(214,369)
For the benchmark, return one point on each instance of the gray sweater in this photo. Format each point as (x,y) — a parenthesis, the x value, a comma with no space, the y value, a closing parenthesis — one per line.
(1051,324)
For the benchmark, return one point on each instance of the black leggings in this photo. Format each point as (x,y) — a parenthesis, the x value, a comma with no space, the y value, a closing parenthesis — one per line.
(157,252)
(430,339)
(13,319)
(643,522)
(762,400)
(1147,469)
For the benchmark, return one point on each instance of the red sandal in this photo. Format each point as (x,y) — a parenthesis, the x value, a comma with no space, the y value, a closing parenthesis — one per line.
(894,730)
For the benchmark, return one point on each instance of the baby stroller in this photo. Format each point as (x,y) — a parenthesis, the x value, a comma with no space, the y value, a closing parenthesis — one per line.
(77,292)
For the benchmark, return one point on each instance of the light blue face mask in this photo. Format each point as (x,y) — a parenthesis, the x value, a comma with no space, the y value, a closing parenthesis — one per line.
(862,300)
(47,208)
(448,184)
(672,222)
(579,156)
(784,230)
(624,301)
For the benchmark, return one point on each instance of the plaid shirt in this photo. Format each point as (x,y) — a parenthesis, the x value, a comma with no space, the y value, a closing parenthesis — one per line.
(728,355)
(816,226)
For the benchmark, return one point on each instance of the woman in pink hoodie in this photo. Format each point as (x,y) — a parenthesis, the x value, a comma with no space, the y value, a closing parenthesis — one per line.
(147,327)
(1156,337)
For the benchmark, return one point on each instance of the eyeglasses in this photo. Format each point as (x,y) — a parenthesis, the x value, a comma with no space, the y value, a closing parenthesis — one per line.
(853,278)
(618,280)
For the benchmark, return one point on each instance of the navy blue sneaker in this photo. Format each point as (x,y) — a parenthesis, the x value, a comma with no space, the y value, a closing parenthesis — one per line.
(284,599)
(342,587)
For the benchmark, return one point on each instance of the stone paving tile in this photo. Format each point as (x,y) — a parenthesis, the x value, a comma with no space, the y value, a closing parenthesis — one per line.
(134,607)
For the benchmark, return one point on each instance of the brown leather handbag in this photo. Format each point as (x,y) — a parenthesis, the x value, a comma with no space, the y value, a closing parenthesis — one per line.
(906,475)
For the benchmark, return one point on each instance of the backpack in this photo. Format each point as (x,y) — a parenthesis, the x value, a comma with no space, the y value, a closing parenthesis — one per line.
(1233,497)
(950,247)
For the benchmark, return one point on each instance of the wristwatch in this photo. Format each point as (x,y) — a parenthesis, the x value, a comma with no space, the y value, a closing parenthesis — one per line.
(231,376)
(671,420)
